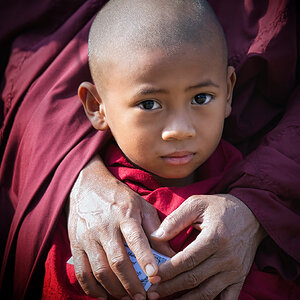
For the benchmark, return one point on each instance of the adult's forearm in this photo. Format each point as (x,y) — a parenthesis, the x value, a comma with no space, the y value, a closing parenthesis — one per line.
(90,175)
(103,212)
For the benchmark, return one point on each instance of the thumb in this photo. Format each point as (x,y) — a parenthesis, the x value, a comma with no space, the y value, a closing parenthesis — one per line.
(150,223)
(188,213)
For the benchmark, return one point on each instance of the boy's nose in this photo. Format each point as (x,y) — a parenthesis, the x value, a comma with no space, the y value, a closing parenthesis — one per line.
(179,128)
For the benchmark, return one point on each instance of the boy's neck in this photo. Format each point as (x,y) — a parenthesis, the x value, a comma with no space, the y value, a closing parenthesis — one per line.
(176,182)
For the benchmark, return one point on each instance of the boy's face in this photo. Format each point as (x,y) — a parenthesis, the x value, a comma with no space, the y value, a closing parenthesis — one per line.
(166,112)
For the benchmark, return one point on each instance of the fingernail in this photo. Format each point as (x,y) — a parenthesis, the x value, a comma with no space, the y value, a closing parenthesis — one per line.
(153,296)
(149,270)
(138,297)
(158,233)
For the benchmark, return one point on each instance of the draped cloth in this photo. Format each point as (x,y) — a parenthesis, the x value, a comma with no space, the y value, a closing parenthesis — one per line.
(45,138)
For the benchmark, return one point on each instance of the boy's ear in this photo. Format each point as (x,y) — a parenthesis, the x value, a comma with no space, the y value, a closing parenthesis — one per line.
(93,105)
(231,79)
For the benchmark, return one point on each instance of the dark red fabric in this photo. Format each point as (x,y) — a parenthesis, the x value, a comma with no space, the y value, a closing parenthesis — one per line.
(46,139)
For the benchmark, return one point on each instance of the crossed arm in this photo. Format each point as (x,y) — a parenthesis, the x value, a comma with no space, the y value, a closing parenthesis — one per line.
(102,216)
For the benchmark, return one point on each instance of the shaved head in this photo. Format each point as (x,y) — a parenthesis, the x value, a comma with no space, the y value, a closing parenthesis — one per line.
(126,26)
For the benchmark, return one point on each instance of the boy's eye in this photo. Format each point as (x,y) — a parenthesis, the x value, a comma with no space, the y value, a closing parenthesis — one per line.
(149,105)
(201,99)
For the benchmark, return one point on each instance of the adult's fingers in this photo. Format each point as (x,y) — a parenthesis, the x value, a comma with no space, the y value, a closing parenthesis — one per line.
(85,275)
(137,241)
(102,271)
(150,223)
(210,289)
(189,279)
(207,290)
(185,215)
(122,267)
(192,256)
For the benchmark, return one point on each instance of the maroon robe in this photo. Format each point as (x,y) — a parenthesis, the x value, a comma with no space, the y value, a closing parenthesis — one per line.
(46,138)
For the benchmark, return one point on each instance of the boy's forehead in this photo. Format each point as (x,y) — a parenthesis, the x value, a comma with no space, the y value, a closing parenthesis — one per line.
(158,70)
(157,56)
(148,60)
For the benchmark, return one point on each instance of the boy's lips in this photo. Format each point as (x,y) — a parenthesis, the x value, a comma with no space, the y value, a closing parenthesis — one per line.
(178,158)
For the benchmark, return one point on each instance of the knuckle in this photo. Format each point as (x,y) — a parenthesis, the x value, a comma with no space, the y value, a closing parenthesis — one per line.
(96,227)
(123,210)
(171,220)
(101,274)
(194,198)
(208,295)
(81,276)
(94,294)
(82,279)
(148,211)
(133,238)
(165,290)
(117,263)
(189,261)
(191,280)
(88,292)
(124,206)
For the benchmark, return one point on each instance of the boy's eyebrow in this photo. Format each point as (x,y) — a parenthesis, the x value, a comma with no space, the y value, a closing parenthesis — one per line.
(147,91)
(202,84)
(150,90)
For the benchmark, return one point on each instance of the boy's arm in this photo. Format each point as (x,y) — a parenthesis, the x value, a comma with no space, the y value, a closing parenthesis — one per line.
(103,214)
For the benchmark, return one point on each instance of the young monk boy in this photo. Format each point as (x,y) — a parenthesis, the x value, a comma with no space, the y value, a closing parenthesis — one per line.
(163,88)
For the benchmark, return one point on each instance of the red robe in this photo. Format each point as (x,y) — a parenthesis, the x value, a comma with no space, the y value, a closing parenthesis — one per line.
(46,138)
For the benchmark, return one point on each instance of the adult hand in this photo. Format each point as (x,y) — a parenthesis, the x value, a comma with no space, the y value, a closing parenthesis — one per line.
(103,214)
(219,259)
